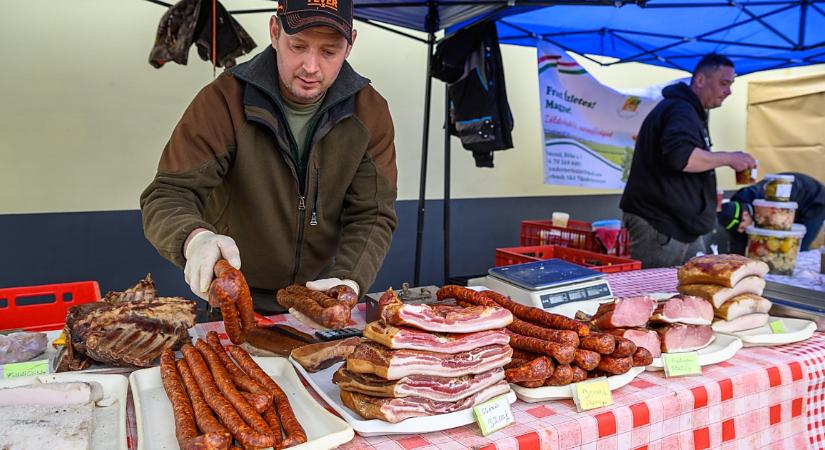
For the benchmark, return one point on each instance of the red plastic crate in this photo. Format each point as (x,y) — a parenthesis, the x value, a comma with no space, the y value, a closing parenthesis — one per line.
(576,234)
(49,311)
(596,261)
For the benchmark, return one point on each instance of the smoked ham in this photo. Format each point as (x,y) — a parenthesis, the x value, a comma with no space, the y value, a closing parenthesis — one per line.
(410,338)
(718,295)
(441,318)
(624,312)
(742,305)
(642,337)
(741,323)
(723,270)
(685,338)
(687,309)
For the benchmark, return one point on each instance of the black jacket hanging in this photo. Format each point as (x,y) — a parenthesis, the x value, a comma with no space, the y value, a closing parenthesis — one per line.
(470,62)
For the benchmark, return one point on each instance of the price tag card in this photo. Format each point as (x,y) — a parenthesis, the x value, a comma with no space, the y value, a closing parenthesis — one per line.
(493,415)
(592,394)
(26,369)
(777,327)
(681,364)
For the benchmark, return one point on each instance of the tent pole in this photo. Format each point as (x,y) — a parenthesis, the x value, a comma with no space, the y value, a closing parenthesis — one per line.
(447,174)
(422,186)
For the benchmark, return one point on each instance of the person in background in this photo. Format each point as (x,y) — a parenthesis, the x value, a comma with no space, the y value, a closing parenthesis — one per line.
(669,200)
(737,214)
(286,162)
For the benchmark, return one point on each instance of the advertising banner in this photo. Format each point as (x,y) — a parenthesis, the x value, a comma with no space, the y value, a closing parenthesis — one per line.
(589,128)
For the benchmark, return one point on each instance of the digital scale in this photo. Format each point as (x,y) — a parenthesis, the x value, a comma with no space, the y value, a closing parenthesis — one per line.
(548,283)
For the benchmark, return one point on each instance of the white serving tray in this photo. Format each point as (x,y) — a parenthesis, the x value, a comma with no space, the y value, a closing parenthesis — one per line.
(795,330)
(540,394)
(156,424)
(723,348)
(321,381)
(110,421)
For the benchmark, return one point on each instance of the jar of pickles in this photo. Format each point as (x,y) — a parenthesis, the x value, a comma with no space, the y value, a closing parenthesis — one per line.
(778,187)
(774,215)
(778,249)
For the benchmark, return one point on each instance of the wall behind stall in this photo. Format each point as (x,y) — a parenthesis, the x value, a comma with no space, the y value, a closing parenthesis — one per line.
(84,117)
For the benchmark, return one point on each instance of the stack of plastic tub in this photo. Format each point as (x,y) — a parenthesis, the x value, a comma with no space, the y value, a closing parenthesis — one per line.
(775,238)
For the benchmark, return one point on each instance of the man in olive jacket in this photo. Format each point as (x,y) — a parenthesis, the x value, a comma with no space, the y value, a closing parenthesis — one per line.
(287,160)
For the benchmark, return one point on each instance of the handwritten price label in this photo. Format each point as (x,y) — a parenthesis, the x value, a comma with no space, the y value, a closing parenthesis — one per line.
(592,394)
(493,415)
(777,327)
(681,364)
(26,369)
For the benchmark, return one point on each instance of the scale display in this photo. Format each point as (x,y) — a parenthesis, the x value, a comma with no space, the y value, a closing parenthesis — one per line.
(597,291)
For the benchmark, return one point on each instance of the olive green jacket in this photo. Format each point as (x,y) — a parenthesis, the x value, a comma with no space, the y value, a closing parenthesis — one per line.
(231,167)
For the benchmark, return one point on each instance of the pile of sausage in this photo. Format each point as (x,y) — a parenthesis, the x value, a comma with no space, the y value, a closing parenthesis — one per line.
(217,399)
(330,309)
(554,350)
(230,291)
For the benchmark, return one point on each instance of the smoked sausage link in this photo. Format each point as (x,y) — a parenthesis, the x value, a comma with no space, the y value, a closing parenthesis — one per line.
(206,420)
(231,276)
(536,315)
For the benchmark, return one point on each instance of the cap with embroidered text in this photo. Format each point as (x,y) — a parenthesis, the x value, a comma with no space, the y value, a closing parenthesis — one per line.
(298,15)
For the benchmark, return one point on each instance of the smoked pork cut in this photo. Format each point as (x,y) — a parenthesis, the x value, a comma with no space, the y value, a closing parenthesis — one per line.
(742,305)
(410,338)
(319,356)
(724,270)
(687,309)
(642,337)
(442,318)
(741,323)
(440,389)
(374,358)
(395,410)
(718,295)
(624,312)
(684,338)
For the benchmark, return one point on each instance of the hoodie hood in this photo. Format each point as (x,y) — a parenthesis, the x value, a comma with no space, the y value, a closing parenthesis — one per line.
(682,91)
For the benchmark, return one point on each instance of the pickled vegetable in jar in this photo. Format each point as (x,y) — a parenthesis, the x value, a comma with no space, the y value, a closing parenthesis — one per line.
(778,187)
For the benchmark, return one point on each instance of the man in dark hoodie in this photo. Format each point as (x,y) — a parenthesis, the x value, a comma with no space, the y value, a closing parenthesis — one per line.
(669,201)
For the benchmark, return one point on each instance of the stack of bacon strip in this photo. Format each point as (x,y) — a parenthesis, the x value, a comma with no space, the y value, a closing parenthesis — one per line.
(216,399)
(330,309)
(422,360)
(553,350)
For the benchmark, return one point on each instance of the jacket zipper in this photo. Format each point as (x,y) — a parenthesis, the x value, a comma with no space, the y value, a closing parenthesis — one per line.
(314,220)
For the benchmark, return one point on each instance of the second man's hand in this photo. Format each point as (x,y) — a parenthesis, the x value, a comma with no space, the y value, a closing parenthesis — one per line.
(202,250)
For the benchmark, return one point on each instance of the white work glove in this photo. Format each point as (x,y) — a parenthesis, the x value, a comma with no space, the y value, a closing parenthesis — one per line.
(329,283)
(202,252)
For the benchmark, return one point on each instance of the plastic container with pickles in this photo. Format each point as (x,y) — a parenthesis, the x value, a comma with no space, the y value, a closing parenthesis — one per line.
(774,215)
(778,187)
(778,249)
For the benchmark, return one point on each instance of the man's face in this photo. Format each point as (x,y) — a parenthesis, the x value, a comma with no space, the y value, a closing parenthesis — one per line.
(713,86)
(308,61)
(745,221)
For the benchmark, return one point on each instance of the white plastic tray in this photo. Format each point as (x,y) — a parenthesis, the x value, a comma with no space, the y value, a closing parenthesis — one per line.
(543,393)
(156,424)
(723,348)
(795,330)
(321,381)
(110,421)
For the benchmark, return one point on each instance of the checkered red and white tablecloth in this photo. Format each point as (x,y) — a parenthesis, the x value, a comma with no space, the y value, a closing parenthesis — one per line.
(764,397)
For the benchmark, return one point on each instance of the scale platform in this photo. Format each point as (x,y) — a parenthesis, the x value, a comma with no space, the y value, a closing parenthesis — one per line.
(548,283)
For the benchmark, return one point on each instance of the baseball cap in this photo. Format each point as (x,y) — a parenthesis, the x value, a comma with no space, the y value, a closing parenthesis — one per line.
(731,214)
(298,15)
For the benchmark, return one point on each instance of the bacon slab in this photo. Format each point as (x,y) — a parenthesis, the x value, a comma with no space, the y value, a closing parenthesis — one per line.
(370,357)
(440,389)
(442,318)
(410,338)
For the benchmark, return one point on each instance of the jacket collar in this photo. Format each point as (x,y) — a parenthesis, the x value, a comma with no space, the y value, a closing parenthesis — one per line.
(262,72)
(683,91)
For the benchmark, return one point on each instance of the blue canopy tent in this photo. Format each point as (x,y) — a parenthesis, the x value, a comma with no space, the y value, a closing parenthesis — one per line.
(756,34)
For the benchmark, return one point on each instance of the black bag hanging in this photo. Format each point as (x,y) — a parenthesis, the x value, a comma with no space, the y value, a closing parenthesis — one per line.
(470,62)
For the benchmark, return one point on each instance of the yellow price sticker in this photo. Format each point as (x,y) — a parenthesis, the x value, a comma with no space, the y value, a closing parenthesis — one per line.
(681,364)
(592,394)
(777,327)
(493,415)
(26,369)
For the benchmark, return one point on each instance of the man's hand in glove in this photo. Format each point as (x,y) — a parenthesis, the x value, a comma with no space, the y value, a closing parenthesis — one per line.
(325,284)
(202,250)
